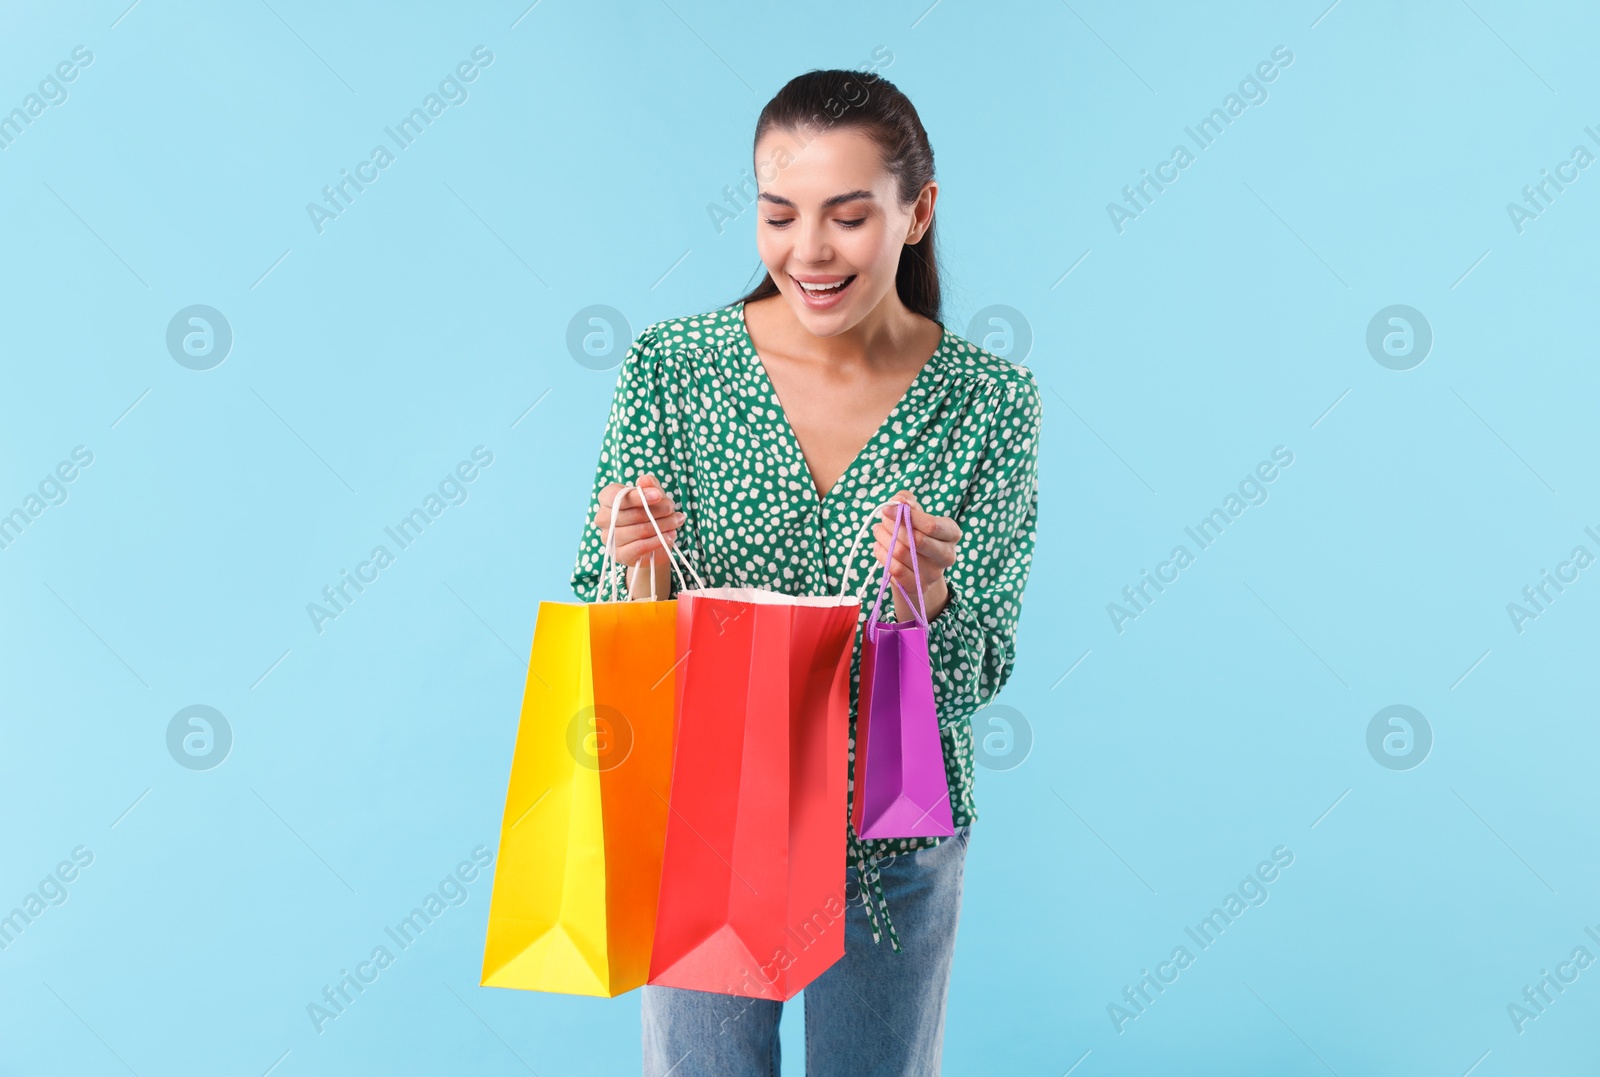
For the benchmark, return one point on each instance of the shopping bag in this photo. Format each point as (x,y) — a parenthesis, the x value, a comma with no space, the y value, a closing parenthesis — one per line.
(572,907)
(752,898)
(901,790)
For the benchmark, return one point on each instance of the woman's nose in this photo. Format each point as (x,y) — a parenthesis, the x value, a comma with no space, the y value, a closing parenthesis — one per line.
(811,245)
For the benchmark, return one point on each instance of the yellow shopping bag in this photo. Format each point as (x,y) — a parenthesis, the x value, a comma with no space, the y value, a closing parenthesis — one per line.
(573,904)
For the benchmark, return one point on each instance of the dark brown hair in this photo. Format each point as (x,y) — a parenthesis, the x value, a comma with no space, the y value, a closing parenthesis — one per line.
(835,99)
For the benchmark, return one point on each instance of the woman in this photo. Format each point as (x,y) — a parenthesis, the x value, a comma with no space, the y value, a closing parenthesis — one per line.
(766,433)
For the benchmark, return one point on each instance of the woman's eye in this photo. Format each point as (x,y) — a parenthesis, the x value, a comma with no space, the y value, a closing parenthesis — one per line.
(857,223)
(778,222)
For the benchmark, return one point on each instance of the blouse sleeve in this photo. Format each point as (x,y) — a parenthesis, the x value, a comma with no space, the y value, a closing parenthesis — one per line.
(634,444)
(972,642)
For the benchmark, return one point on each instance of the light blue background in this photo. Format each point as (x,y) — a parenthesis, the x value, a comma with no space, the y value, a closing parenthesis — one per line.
(369,759)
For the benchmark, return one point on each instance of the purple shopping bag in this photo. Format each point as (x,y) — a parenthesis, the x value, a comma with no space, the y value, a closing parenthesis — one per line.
(900,786)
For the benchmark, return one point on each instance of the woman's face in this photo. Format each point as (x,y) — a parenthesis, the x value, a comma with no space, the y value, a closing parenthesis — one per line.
(832,227)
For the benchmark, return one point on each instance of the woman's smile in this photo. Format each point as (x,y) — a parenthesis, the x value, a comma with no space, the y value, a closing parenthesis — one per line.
(820,293)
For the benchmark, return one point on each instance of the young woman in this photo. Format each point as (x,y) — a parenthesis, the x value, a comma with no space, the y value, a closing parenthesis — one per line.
(766,433)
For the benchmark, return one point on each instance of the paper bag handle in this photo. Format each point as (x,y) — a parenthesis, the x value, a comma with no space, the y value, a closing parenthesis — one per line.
(918,605)
(850,560)
(608,557)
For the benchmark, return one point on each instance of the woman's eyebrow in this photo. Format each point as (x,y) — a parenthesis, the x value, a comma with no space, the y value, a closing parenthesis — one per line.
(836,200)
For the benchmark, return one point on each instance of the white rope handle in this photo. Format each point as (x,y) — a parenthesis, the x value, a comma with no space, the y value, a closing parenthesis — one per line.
(672,551)
(850,562)
(608,556)
(632,574)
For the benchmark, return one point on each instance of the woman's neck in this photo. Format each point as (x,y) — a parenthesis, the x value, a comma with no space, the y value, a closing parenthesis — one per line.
(890,329)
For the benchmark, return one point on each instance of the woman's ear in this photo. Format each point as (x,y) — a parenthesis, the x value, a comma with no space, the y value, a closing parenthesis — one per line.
(922,212)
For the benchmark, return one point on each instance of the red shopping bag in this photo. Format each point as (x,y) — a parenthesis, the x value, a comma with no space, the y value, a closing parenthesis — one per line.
(753,869)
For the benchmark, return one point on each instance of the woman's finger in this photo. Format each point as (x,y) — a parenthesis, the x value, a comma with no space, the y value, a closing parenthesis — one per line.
(638,552)
(930,551)
(630,502)
(942,528)
(883,532)
(654,493)
(902,571)
(898,568)
(887,510)
(905,580)
(885,528)
(630,513)
(633,514)
(905,497)
(642,534)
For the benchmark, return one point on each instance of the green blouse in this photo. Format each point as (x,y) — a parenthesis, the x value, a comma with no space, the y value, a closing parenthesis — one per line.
(694,407)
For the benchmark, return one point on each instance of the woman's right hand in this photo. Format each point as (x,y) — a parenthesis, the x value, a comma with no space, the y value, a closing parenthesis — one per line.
(636,541)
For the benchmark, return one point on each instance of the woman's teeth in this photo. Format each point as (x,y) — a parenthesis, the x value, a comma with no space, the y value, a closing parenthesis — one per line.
(820,289)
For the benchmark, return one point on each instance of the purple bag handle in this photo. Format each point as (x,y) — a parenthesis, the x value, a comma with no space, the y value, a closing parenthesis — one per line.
(918,605)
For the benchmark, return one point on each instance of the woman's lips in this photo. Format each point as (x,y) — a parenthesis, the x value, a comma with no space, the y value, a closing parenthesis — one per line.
(822,299)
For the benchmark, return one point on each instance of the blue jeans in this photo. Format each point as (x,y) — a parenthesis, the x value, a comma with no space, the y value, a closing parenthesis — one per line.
(873,1013)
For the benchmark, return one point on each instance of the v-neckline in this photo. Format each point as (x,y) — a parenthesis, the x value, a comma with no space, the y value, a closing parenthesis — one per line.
(792,440)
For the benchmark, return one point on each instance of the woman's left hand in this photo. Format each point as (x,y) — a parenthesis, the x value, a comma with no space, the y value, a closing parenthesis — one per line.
(936,537)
